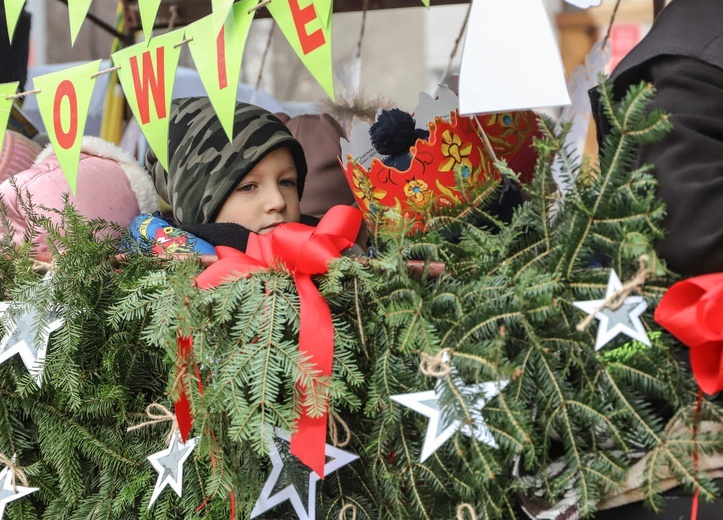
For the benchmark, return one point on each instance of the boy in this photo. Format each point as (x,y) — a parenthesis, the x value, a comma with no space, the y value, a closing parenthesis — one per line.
(220,191)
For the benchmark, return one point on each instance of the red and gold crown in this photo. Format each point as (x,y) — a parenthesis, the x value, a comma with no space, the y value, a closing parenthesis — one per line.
(446,167)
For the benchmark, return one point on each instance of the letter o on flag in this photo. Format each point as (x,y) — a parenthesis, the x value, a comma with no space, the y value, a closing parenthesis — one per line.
(65,139)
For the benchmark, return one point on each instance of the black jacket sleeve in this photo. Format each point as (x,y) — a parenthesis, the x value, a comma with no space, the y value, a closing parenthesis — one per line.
(688,163)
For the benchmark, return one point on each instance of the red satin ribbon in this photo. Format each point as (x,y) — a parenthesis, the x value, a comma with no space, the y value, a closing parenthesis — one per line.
(305,251)
(182,406)
(692,310)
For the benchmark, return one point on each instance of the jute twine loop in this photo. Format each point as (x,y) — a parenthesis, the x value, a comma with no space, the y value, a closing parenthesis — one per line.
(162,414)
(466,508)
(39,265)
(15,473)
(435,366)
(616,299)
(347,507)
(334,432)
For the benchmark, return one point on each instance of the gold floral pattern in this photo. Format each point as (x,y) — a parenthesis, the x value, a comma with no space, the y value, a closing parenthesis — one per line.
(365,191)
(456,152)
(417,191)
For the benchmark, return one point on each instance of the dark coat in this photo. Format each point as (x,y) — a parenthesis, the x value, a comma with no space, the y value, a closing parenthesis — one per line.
(682,56)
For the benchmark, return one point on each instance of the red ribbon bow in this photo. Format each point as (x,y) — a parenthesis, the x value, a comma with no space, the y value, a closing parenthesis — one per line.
(305,251)
(692,310)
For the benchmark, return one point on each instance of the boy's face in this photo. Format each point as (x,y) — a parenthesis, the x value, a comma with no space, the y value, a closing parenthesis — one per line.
(267,196)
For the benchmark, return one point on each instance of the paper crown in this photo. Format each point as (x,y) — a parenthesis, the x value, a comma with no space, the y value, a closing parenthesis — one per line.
(444,168)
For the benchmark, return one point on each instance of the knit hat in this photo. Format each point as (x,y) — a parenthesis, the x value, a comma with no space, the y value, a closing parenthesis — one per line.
(204,167)
(17,155)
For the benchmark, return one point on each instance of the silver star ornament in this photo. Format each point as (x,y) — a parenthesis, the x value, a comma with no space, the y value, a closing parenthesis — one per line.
(440,428)
(291,480)
(169,465)
(623,320)
(10,493)
(23,337)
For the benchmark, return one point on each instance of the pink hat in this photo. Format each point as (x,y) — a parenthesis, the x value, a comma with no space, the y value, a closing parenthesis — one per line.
(112,186)
(17,155)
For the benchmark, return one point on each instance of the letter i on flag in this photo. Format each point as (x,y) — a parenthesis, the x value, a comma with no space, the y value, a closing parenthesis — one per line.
(77,9)
(147,73)
(217,56)
(6,105)
(309,36)
(13,8)
(64,100)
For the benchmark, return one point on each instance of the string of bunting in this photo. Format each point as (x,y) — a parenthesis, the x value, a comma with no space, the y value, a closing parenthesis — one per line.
(146,73)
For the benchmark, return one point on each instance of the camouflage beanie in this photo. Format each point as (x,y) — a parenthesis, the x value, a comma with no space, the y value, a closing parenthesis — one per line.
(204,167)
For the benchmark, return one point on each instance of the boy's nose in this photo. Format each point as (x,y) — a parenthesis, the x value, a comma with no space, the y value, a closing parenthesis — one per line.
(275,201)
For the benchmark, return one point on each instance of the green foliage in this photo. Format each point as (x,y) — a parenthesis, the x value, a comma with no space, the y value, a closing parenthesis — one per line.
(502,310)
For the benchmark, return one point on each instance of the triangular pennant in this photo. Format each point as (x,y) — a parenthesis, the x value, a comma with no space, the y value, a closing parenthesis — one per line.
(426,3)
(77,10)
(497,78)
(148,11)
(6,106)
(63,102)
(325,8)
(220,9)
(147,73)
(220,75)
(13,8)
(308,36)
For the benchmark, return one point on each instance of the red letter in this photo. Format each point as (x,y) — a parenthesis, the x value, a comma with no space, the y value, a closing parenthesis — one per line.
(221,59)
(151,84)
(309,42)
(65,139)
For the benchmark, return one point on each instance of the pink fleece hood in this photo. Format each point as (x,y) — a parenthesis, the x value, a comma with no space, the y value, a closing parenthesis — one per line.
(111,185)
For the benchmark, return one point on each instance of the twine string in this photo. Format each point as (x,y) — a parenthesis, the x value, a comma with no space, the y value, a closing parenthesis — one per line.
(39,265)
(334,431)
(258,6)
(610,25)
(348,507)
(616,299)
(15,473)
(466,508)
(435,366)
(485,139)
(23,94)
(162,414)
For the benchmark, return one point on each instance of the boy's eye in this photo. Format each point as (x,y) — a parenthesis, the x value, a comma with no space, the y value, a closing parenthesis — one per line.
(290,183)
(246,187)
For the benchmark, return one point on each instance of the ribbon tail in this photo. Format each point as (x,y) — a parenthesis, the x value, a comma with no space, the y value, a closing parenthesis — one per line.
(182,406)
(316,341)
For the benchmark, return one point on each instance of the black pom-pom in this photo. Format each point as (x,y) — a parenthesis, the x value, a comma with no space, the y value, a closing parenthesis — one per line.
(393,135)
(393,132)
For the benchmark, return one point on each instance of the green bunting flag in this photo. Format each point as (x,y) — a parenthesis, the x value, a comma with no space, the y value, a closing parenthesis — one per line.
(221,9)
(13,8)
(308,36)
(63,101)
(6,105)
(217,56)
(325,8)
(148,10)
(147,72)
(77,10)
